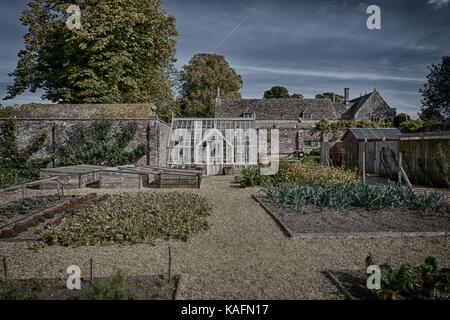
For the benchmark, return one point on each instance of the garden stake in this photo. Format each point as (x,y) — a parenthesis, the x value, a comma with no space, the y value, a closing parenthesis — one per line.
(91,274)
(5,272)
(170,264)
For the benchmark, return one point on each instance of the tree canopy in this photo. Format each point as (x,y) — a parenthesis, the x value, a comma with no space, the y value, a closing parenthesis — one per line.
(200,79)
(436,92)
(120,55)
(329,95)
(296,96)
(277,92)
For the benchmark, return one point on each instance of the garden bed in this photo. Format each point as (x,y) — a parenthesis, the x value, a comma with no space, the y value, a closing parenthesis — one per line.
(407,282)
(33,222)
(132,219)
(112,288)
(23,208)
(316,221)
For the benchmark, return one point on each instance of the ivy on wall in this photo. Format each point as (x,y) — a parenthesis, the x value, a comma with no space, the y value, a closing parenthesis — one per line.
(18,165)
(95,144)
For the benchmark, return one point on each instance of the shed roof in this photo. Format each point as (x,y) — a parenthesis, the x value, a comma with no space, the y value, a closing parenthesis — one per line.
(374,133)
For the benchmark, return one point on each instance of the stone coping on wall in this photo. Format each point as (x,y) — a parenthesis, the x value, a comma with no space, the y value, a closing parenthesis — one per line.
(86,111)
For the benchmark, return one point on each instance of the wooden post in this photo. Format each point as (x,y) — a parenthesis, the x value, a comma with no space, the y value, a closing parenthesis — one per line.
(5,268)
(170,264)
(399,167)
(54,145)
(91,271)
(363,171)
(147,137)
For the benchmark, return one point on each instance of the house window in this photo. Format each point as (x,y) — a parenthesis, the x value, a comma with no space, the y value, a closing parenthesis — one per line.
(247,115)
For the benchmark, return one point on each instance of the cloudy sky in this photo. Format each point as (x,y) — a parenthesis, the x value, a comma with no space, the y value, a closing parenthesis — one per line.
(307,46)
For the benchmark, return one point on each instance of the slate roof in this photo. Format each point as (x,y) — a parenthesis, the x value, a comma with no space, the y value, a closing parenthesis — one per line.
(374,133)
(355,105)
(280,109)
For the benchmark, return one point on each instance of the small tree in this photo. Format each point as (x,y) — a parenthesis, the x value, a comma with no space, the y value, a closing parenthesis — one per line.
(436,92)
(297,96)
(277,92)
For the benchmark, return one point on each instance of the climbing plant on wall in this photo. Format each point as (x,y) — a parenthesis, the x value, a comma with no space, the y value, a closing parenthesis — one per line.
(96,144)
(18,165)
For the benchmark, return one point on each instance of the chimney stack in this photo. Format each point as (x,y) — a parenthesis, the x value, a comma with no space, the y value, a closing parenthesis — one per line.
(347,97)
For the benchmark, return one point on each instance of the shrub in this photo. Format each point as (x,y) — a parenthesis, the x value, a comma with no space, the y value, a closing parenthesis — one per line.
(316,174)
(133,218)
(306,172)
(424,281)
(252,177)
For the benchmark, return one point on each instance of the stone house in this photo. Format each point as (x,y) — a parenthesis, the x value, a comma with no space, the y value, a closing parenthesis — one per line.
(296,118)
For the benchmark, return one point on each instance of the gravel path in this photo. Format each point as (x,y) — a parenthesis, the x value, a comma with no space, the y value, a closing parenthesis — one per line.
(244,255)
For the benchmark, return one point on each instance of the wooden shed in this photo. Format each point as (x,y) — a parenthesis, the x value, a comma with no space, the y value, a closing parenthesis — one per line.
(380,148)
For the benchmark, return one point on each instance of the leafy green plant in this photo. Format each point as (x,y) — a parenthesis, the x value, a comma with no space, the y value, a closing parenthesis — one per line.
(115,289)
(26,205)
(17,165)
(251,177)
(162,289)
(305,172)
(14,290)
(96,145)
(341,125)
(423,281)
(431,203)
(370,197)
(133,218)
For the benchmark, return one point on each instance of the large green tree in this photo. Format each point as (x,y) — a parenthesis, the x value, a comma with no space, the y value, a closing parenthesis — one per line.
(120,55)
(436,92)
(277,92)
(200,79)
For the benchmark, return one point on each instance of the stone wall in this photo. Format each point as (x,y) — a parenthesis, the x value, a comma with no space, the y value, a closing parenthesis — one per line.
(58,121)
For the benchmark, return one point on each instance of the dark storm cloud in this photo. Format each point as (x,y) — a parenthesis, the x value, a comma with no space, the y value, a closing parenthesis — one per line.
(308,46)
